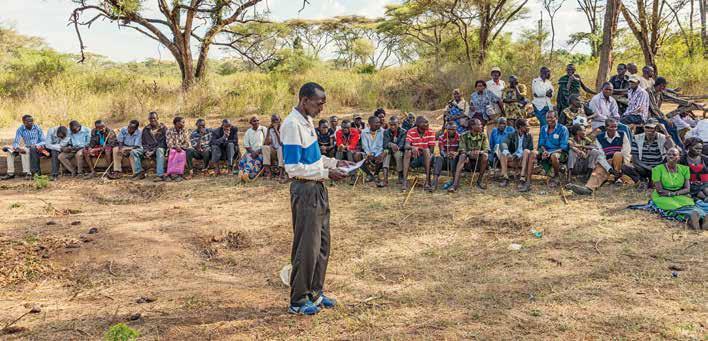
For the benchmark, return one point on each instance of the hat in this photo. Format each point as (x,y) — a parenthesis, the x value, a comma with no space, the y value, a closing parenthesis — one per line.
(357,116)
(496,68)
(651,123)
(633,78)
(581,120)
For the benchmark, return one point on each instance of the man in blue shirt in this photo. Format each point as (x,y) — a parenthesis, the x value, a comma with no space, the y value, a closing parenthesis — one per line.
(372,144)
(129,138)
(499,134)
(79,138)
(553,146)
(32,136)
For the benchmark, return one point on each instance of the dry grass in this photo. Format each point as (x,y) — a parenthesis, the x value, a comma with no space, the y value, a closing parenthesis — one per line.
(209,251)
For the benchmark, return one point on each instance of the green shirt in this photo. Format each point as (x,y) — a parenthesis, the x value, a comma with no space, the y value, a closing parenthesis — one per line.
(671,181)
(565,90)
(470,141)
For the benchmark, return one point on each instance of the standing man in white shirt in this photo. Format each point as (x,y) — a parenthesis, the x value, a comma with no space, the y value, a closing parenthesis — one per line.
(496,85)
(542,93)
(309,202)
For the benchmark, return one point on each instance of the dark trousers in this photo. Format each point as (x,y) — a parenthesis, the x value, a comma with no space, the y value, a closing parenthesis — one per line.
(225,151)
(204,155)
(310,251)
(441,162)
(55,162)
(372,168)
(637,172)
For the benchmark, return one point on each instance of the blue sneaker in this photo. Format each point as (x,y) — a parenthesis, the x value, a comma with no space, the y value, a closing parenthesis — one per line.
(447,185)
(325,302)
(306,309)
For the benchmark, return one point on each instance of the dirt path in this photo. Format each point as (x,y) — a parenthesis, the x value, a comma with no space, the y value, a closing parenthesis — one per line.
(208,251)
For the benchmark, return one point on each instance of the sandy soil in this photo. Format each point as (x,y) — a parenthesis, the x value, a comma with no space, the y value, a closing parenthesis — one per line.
(208,251)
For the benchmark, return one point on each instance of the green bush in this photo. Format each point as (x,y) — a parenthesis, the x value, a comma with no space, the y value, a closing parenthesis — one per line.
(121,332)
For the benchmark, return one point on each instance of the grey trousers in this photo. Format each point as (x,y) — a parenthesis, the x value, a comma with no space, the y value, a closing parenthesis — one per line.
(227,151)
(310,251)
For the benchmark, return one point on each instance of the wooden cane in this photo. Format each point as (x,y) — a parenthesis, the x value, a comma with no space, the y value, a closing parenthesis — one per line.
(415,181)
(259,174)
(97,158)
(474,171)
(108,168)
(356,179)
(562,193)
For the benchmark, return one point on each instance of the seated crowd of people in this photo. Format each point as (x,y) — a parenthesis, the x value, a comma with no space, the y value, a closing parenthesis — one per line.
(620,136)
(78,149)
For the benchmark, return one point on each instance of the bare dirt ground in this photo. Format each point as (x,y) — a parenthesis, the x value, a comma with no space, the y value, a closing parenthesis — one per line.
(208,252)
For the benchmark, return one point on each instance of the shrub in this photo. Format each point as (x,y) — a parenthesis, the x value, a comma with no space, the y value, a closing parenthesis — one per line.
(121,332)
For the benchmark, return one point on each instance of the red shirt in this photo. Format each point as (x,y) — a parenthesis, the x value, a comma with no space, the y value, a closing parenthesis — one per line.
(351,141)
(416,140)
(449,144)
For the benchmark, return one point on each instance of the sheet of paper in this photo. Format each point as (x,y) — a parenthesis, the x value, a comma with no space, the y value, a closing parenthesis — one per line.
(353,167)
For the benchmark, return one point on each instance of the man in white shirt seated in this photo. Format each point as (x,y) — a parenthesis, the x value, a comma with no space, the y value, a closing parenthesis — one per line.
(603,106)
(252,161)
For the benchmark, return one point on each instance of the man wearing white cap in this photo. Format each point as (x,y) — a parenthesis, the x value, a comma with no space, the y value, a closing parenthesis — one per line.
(638,105)
(496,85)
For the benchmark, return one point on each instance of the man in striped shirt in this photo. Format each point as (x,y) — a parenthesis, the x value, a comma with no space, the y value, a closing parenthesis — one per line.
(420,142)
(309,202)
(32,136)
(638,106)
(648,151)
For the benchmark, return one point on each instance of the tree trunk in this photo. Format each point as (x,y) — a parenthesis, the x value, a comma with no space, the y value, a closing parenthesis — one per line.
(484,31)
(608,32)
(704,37)
(553,37)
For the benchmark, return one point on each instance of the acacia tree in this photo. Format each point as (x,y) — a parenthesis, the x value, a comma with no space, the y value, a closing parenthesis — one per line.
(417,21)
(179,25)
(651,22)
(592,10)
(494,15)
(608,32)
(552,7)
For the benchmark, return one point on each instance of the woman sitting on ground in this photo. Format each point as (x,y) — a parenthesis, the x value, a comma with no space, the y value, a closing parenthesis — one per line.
(671,186)
(698,164)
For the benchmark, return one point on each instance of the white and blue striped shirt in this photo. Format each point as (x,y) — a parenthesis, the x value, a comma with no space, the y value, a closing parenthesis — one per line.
(301,152)
(31,137)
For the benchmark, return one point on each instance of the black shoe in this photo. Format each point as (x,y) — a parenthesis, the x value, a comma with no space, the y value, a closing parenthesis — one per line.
(577,189)
(53,178)
(615,173)
(525,186)
(7,177)
(504,182)
(481,185)
(138,176)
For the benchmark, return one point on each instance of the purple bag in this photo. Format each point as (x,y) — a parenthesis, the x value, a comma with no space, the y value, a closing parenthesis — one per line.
(176,162)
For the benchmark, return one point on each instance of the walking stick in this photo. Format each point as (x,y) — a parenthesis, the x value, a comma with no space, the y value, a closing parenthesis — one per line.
(97,158)
(474,171)
(415,181)
(107,168)
(259,174)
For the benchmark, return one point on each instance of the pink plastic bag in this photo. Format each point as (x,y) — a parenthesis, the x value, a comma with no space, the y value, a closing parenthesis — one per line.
(176,162)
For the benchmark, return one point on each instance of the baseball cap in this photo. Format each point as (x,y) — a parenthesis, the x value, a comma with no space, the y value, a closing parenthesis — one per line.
(651,123)
(633,78)
(581,120)
(496,68)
